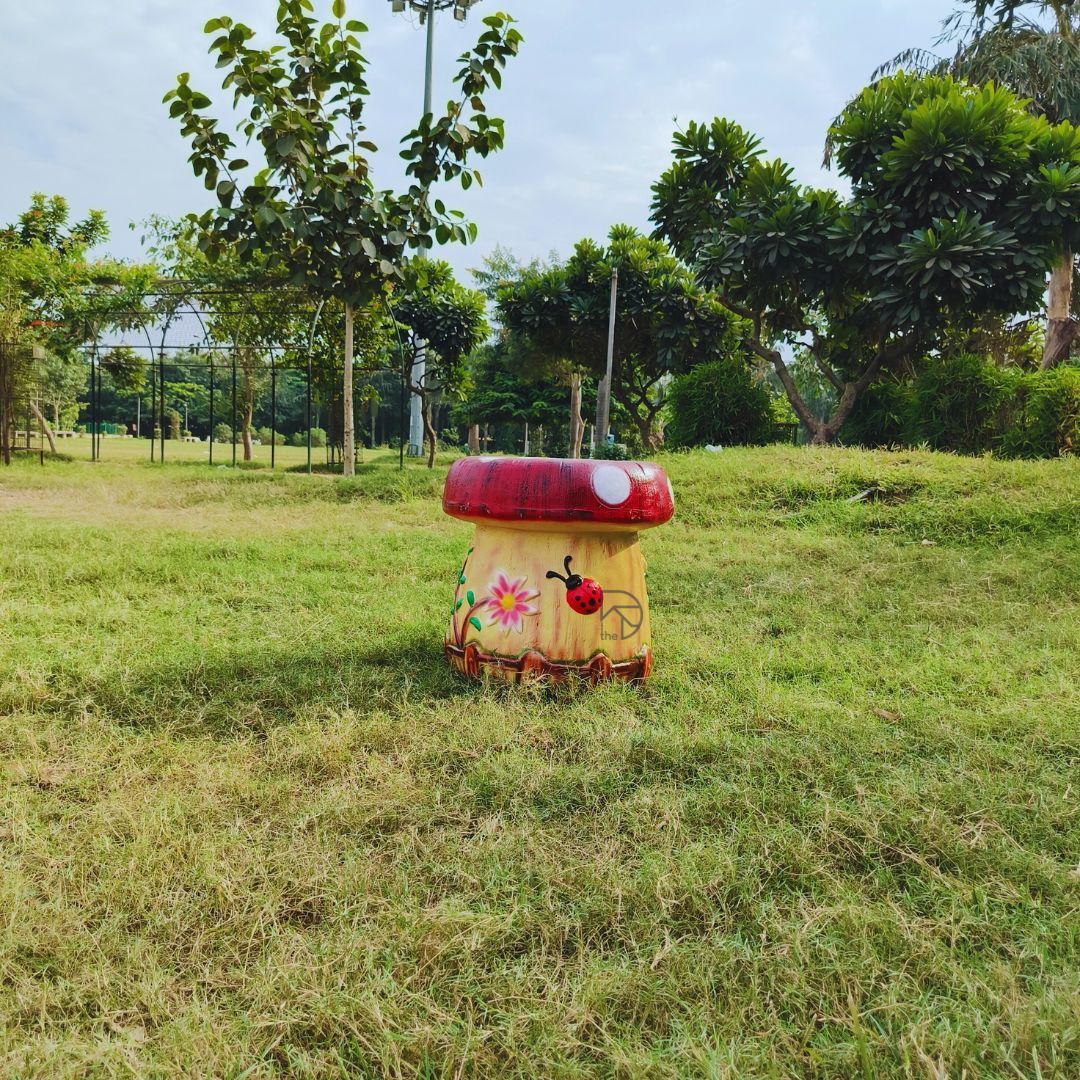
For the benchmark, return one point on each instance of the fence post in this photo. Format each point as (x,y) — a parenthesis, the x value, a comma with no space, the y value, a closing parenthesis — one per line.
(93,404)
(273,408)
(211,408)
(161,362)
(309,412)
(153,405)
(234,409)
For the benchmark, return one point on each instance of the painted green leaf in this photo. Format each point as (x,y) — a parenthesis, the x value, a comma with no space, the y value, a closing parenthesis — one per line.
(461,579)
(474,621)
(458,604)
(469,596)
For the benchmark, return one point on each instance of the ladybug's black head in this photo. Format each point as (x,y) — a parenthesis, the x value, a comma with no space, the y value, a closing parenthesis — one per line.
(571,581)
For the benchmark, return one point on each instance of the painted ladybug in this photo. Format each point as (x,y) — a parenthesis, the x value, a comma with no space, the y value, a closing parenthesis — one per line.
(582,594)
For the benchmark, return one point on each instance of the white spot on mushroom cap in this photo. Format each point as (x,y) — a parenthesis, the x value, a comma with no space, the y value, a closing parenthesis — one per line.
(611,485)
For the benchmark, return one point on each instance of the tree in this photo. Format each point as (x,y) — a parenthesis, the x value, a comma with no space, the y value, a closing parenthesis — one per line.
(16,363)
(312,209)
(443,321)
(665,321)
(504,361)
(246,308)
(500,391)
(1032,47)
(66,299)
(959,201)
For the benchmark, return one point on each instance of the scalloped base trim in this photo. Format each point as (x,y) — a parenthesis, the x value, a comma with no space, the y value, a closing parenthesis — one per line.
(533,665)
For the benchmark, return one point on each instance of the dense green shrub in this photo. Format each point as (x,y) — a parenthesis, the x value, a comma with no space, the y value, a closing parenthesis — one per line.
(266,434)
(222,433)
(881,415)
(174,418)
(609,452)
(719,403)
(968,404)
(962,403)
(318,438)
(1045,418)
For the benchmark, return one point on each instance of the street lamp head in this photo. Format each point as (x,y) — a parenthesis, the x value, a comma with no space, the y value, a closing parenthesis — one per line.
(460,7)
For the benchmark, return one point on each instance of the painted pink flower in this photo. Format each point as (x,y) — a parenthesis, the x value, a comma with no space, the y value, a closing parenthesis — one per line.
(509,601)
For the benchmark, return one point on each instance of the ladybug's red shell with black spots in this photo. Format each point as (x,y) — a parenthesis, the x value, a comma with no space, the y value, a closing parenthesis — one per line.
(582,593)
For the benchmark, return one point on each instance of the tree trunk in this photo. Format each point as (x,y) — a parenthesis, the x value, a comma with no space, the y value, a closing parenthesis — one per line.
(822,432)
(249,412)
(577,425)
(44,426)
(429,430)
(474,439)
(1061,324)
(348,445)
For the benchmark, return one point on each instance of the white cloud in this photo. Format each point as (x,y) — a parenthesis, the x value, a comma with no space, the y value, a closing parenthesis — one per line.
(589,104)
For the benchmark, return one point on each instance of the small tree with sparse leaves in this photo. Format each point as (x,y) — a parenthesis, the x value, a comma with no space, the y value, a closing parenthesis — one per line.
(312,208)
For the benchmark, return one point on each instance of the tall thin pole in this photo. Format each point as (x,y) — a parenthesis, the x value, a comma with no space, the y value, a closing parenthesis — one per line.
(348,435)
(603,397)
(161,369)
(93,406)
(95,401)
(273,408)
(153,405)
(211,408)
(401,413)
(430,60)
(310,348)
(308,413)
(418,369)
(234,410)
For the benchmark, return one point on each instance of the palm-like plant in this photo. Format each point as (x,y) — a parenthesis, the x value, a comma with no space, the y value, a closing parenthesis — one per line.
(1032,47)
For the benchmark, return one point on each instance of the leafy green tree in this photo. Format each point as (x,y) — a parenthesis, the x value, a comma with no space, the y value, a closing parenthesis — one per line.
(719,402)
(126,369)
(312,208)
(500,393)
(246,308)
(1033,48)
(444,321)
(531,374)
(665,321)
(16,361)
(66,298)
(959,201)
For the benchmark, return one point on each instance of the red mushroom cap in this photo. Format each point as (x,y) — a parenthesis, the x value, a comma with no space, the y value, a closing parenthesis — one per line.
(631,494)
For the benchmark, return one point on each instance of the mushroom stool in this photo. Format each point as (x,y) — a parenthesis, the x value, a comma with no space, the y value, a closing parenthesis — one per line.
(554,584)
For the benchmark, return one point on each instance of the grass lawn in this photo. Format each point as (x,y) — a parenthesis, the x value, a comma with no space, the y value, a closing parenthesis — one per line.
(251,825)
(125,451)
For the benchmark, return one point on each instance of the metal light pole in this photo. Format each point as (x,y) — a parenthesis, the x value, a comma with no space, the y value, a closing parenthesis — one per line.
(426,9)
(603,396)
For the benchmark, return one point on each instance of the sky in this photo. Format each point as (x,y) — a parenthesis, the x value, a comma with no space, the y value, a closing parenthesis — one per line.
(590,103)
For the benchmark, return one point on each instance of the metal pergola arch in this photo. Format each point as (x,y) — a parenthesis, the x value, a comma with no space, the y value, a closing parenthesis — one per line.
(186,295)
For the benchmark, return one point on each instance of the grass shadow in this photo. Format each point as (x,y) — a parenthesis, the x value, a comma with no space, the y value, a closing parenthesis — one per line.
(255,689)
